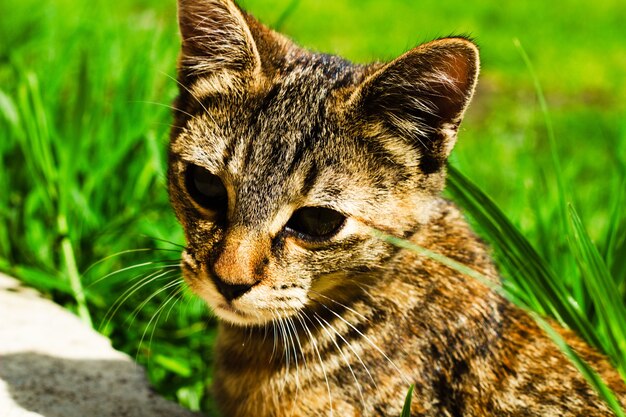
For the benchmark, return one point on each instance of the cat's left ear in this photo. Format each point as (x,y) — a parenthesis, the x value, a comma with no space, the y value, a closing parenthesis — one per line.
(421,97)
(216,40)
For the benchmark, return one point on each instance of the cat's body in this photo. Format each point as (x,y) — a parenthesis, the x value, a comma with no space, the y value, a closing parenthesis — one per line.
(469,352)
(281,164)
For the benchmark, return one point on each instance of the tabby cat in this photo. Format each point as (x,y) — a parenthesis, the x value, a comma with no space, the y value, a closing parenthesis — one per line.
(281,163)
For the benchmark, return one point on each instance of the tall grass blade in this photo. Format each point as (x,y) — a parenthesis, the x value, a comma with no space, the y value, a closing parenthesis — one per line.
(613,232)
(71,268)
(540,287)
(284,16)
(406,409)
(563,194)
(543,104)
(583,367)
(601,286)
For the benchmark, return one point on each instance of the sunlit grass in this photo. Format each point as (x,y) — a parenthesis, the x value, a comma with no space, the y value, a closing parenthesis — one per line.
(84,121)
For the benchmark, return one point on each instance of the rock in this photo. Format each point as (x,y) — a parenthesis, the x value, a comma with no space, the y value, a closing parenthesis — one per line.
(53,365)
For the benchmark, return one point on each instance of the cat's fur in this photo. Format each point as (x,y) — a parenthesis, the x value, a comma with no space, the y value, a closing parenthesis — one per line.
(343,326)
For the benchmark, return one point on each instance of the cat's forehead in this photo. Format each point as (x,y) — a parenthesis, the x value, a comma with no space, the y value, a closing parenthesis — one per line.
(277,143)
(291,114)
(304,88)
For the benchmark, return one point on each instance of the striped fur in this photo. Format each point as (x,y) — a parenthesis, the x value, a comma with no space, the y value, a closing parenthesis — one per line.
(342,327)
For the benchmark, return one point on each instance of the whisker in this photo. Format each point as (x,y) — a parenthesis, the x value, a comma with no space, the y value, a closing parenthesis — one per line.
(340,304)
(157,275)
(274,318)
(286,352)
(189,91)
(162,105)
(298,317)
(374,345)
(157,315)
(351,348)
(180,291)
(136,311)
(160,239)
(175,263)
(291,328)
(319,356)
(343,356)
(124,252)
(265,331)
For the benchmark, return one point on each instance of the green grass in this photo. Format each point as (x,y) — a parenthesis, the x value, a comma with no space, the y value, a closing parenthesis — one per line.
(84,95)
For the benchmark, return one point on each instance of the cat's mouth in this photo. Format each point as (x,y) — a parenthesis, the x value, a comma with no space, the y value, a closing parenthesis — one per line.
(250,312)
(227,311)
(261,305)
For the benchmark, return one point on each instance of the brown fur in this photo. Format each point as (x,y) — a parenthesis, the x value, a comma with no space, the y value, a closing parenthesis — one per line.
(343,325)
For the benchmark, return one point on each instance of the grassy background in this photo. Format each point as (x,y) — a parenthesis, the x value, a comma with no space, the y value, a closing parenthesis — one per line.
(84,94)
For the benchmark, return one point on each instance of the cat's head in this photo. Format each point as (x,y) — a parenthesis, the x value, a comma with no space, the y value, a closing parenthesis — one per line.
(282,160)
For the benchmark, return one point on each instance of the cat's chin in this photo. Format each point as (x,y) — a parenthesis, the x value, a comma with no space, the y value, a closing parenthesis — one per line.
(228,313)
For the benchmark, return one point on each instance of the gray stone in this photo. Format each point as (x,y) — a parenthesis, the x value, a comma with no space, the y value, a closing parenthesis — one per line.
(53,365)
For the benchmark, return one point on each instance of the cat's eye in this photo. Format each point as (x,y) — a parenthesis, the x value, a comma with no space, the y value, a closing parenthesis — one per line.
(316,223)
(206,189)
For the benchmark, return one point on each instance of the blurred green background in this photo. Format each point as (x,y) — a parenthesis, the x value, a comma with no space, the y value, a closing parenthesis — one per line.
(84,93)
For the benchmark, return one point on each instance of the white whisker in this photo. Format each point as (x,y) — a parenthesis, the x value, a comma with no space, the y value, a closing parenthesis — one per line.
(171,296)
(343,356)
(155,276)
(374,345)
(340,304)
(352,349)
(172,265)
(136,311)
(319,356)
(291,326)
(125,252)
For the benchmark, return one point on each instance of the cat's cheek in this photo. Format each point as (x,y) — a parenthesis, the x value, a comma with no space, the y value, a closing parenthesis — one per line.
(188,263)
(203,289)
(196,279)
(351,228)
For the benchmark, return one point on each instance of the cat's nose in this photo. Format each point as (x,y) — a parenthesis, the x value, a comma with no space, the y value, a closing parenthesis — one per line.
(231,291)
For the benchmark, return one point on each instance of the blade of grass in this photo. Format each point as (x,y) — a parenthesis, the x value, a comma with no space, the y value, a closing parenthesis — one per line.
(287,12)
(450,263)
(563,194)
(612,238)
(72,270)
(542,290)
(543,104)
(406,409)
(602,288)
(583,367)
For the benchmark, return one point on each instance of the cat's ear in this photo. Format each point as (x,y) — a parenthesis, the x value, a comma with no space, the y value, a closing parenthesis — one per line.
(422,96)
(216,39)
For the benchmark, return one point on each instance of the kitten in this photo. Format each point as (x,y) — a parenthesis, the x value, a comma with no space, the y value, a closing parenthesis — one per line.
(281,162)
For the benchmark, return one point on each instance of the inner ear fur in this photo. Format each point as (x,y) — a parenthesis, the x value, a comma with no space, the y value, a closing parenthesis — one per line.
(216,38)
(421,97)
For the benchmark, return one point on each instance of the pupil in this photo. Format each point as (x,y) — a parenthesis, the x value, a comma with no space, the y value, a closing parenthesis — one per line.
(205,188)
(316,222)
(208,184)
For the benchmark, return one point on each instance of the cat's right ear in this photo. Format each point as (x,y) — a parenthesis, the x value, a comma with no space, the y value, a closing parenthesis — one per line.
(216,41)
(421,97)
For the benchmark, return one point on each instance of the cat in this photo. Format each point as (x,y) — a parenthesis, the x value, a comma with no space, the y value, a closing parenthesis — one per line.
(281,163)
